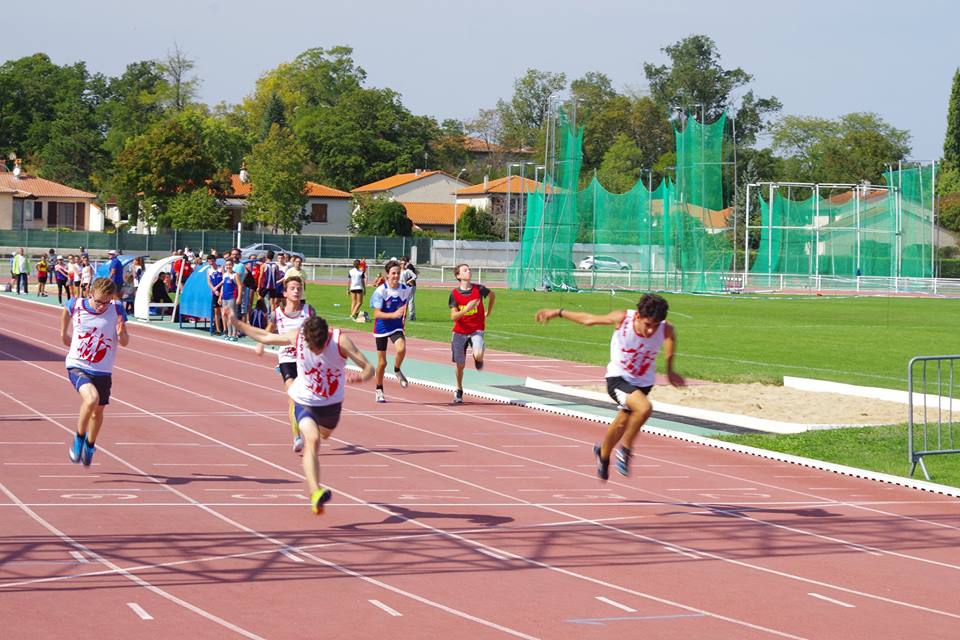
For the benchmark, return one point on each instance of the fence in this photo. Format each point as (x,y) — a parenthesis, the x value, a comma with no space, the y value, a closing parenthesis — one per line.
(311,246)
(925,440)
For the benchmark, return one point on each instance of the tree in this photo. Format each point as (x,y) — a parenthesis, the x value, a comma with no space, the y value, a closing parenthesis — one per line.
(366,136)
(855,147)
(447,150)
(695,79)
(197,209)
(381,217)
(133,102)
(154,167)
(526,113)
(273,115)
(621,165)
(476,224)
(277,167)
(73,152)
(951,144)
(176,68)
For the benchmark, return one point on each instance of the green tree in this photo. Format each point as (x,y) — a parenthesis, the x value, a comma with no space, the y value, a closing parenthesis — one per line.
(951,144)
(621,165)
(526,113)
(366,136)
(476,224)
(176,68)
(197,209)
(854,147)
(277,167)
(695,79)
(381,217)
(273,115)
(74,150)
(133,102)
(447,150)
(165,160)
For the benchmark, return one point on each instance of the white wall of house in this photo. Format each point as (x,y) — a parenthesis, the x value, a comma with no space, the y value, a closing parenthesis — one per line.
(338,216)
(435,188)
(478,202)
(6,210)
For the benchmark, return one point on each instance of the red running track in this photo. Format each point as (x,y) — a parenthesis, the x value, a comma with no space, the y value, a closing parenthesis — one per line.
(472,521)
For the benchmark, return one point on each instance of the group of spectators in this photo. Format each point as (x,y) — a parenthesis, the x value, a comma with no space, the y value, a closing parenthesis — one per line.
(73,274)
(357,286)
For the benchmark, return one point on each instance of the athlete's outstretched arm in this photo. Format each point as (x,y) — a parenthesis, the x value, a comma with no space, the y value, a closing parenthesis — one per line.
(580,317)
(260,335)
(65,327)
(351,351)
(669,348)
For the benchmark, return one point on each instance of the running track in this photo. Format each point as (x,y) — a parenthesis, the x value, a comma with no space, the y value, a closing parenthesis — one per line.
(477,521)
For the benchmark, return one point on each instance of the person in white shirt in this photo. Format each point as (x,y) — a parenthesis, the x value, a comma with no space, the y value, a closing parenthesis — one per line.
(317,392)
(631,373)
(86,275)
(356,287)
(408,276)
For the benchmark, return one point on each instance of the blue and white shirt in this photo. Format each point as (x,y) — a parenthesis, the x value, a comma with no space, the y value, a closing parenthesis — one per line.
(93,346)
(389,300)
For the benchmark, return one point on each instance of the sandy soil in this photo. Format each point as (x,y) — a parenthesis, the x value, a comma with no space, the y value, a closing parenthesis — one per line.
(781,403)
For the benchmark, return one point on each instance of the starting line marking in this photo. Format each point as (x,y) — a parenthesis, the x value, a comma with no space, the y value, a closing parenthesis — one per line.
(614,603)
(384,607)
(137,609)
(842,604)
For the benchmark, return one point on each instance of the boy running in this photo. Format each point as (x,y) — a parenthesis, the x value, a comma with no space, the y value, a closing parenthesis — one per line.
(288,318)
(318,390)
(469,321)
(92,328)
(389,302)
(631,373)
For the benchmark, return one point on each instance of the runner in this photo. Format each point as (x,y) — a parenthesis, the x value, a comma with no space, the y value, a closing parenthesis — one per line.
(631,373)
(469,321)
(285,319)
(356,287)
(92,328)
(318,390)
(389,302)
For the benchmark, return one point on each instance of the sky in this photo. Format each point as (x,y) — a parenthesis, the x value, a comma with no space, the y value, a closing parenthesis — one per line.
(450,59)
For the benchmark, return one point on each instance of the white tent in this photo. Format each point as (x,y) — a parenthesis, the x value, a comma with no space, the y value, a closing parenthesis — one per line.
(141,304)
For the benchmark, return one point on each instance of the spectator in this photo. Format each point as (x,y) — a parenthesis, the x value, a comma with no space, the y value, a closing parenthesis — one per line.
(160,293)
(138,267)
(83,253)
(19,270)
(260,316)
(408,276)
(42,268)
(215,282)
(115,270)
(283,263)
(62,277)
(294,269)
(230,287)
(86,276)
(270,282)
(356,287)
(74,267)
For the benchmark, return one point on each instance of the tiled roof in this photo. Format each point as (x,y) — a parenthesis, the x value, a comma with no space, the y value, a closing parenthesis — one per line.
(432,212)
(847,196)
(34,186)
(398,180)
(314,190)
(479,145)
(517,185)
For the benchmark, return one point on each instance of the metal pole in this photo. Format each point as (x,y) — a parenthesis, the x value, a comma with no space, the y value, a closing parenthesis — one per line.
(933,220)
(746,237)
(859,260)
(816,230)
(733,124)
(506,225)
(770,233)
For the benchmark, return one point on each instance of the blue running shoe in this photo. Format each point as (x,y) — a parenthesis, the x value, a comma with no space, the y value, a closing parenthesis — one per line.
(623,461)
(77,449)
(319,498)
(298,444)
(88,451)
(603,466)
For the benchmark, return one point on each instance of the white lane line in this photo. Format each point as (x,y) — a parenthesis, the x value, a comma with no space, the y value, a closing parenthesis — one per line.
(477,466)
(842,604)
(377,477)
(80,557)
(492,554)
(541,446)
(289,553)
(164,444)
(857,547)
(45,464)
(198,464)
(614,603)
(137,609)
(83,475)
(418,490)
(523,477)
(32,442)
(380,605)
(415,445)
(712,489)
(681,552)
(352,466)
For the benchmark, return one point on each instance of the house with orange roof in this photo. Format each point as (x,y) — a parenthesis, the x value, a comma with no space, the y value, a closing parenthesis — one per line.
(492,195)
(29,202)
(327,210)
(428,197)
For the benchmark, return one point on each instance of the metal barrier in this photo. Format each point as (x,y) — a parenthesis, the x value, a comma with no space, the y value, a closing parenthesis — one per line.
(927,441)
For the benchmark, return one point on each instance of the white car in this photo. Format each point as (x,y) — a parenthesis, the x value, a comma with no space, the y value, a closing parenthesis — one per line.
(260,249)
(603,263)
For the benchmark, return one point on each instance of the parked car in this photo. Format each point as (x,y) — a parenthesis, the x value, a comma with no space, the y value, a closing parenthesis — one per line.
(603,263)
(261,248)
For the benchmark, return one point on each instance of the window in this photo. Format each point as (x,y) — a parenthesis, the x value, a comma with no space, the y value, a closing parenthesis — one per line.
(37,210)
(66,214)
(318,212)
(51,214)
(81,215)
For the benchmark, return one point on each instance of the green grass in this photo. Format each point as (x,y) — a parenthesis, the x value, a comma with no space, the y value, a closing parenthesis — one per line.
(866,341)
(881,449)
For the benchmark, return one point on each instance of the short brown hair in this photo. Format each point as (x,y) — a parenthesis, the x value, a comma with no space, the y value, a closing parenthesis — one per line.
(456,269)
(103,286)
(316,332)
(390,265)
(653,306)
(290,279)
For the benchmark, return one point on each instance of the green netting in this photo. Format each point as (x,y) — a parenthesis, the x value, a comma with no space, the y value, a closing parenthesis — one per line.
(856,232)
(671,237)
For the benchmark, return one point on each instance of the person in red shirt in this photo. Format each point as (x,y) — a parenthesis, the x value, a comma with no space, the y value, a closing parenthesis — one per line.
(469,321)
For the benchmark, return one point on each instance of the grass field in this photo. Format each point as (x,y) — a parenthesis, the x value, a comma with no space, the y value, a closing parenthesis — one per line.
(856,340)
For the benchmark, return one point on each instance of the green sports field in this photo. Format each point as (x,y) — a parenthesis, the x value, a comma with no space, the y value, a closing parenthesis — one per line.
(856,340)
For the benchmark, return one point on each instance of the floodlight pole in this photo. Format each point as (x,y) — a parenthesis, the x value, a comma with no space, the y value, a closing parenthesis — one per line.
(933,221)
(746,238)
(455,223)
(506,209)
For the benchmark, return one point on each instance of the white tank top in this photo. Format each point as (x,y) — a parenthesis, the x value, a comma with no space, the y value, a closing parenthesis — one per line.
(320,377)
(93,346)
(633,357)
(286,324)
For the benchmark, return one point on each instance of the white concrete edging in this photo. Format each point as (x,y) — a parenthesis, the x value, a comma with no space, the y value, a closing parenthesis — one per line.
(877,393)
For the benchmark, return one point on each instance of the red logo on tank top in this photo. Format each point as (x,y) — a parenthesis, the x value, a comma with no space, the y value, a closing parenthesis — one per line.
(93,346)
(323,384)
(636,362)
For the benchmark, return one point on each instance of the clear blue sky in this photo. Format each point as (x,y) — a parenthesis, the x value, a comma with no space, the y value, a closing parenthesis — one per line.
(449,59)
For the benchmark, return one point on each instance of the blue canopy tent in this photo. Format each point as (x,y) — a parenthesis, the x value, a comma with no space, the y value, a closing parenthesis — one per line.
(103,270)
(196,299)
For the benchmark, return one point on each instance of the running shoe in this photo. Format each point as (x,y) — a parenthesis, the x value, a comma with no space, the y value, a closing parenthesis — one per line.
(478,364)
(623,461)
(379,396)
(88,451)
(402,379)
(603,466)
(319,498)
(298,444)
(458,396)
(76,450)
